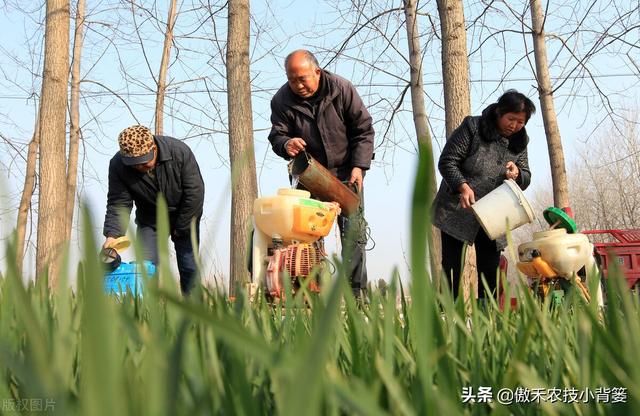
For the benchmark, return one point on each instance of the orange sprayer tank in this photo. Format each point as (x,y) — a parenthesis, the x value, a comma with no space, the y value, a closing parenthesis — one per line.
(293,216)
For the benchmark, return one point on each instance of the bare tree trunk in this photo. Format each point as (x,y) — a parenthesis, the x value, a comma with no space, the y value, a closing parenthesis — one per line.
(457,102)
(554,141)
(53,123)
(455,65)
(164,65)
(244,188)
(27,193)
(74,117)
(420,120)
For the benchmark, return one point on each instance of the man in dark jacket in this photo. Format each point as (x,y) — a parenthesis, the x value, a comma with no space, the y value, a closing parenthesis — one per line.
(145,167)
(322,114)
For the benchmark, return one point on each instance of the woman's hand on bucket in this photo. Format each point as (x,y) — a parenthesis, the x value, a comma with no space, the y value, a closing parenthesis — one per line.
(294,146)
(512,171)
(467,196)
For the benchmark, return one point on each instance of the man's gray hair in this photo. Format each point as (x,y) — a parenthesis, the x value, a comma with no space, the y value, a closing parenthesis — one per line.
(310,58)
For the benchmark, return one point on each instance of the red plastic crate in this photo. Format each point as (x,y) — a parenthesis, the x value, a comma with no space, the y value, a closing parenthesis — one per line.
(625,251)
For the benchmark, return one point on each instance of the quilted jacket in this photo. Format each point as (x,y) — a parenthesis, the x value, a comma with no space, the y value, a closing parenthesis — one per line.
(476,154)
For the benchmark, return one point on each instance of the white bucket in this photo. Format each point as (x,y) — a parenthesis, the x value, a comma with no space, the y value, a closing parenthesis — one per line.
(505,204)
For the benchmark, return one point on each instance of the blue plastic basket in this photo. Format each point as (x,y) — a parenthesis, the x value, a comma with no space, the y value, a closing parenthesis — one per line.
(128,278)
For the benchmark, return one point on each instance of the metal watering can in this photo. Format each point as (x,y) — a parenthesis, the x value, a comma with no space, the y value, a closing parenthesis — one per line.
(322,184)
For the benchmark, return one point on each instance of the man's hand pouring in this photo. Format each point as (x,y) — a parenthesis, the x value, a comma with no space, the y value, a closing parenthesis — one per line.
(356,178)
(108,242)
(294,146)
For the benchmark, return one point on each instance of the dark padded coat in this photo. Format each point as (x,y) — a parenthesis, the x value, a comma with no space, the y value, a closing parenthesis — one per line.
(178,178)
(475,153)
(340,136)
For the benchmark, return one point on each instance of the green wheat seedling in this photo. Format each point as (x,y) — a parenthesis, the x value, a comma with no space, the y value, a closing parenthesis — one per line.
(409,350)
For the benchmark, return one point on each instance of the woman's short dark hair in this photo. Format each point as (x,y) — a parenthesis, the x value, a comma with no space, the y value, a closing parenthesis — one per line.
(513,101)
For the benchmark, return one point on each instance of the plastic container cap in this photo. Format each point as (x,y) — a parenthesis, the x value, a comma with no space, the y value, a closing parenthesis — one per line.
(557,218)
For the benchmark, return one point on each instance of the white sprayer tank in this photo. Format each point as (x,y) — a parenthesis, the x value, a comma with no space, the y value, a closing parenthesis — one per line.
(292,215)
(565,253)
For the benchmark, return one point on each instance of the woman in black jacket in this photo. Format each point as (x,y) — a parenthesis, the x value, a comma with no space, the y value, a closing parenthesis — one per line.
(482,152)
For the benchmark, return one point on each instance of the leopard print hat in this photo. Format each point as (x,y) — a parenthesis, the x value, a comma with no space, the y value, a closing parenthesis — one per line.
(136,145)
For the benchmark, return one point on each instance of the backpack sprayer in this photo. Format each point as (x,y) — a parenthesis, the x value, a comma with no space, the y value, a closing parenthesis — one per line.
(288,228)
